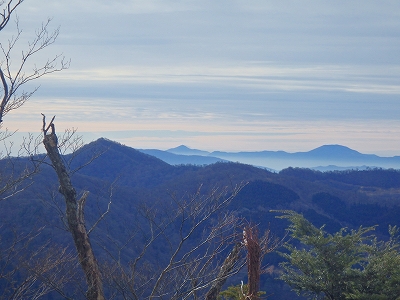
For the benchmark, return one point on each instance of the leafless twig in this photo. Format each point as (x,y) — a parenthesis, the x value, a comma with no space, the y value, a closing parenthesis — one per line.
(13,79)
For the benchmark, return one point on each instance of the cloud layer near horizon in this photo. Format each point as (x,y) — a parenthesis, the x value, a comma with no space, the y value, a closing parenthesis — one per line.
(224,75)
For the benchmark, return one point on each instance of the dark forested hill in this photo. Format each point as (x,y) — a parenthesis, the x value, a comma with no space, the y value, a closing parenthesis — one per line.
(131,179)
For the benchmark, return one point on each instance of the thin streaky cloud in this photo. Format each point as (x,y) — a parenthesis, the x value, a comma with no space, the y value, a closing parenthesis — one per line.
(330,78)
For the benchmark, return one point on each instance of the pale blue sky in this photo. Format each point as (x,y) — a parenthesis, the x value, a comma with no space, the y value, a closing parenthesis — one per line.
(223,75)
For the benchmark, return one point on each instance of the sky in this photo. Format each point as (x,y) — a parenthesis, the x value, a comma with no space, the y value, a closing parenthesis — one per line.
(220,75)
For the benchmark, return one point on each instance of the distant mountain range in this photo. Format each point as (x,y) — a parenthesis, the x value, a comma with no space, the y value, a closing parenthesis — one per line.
(324,158)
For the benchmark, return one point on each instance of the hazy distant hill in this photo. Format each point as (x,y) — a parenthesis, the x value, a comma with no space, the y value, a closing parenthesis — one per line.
(182,159)
(327,157)
(334,155)
(182,149)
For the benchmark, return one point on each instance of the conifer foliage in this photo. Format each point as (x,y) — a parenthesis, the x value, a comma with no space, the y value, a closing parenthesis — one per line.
(346,265)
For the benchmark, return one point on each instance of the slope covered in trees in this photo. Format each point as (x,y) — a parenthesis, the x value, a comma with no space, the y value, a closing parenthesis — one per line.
(132,181)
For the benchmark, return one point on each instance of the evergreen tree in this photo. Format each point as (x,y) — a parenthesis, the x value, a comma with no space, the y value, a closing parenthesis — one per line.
(345,265)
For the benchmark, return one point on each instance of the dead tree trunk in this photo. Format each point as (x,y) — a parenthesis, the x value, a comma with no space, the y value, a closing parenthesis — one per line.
(74,216)
(254,255)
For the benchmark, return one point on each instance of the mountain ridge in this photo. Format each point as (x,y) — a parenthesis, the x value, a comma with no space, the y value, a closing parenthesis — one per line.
(329,157)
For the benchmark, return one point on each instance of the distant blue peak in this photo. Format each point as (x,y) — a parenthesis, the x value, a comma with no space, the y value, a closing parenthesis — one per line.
(181,147)
(335,151)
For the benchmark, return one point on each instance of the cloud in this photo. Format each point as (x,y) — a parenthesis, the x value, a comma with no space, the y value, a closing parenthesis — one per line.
(252,76)
(119,32)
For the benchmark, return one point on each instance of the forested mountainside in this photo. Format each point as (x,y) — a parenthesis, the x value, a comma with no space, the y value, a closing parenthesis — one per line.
(126,180)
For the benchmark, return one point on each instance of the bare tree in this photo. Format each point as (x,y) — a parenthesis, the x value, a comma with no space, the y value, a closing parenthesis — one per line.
(16,170)
(14,78)
(16,70)
(74,215)
(28,272)
(198,243)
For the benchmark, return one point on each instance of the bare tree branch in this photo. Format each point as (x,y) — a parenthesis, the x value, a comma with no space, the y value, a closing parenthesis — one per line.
(11,6)
(225,271)
(103,215)
(17,174)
